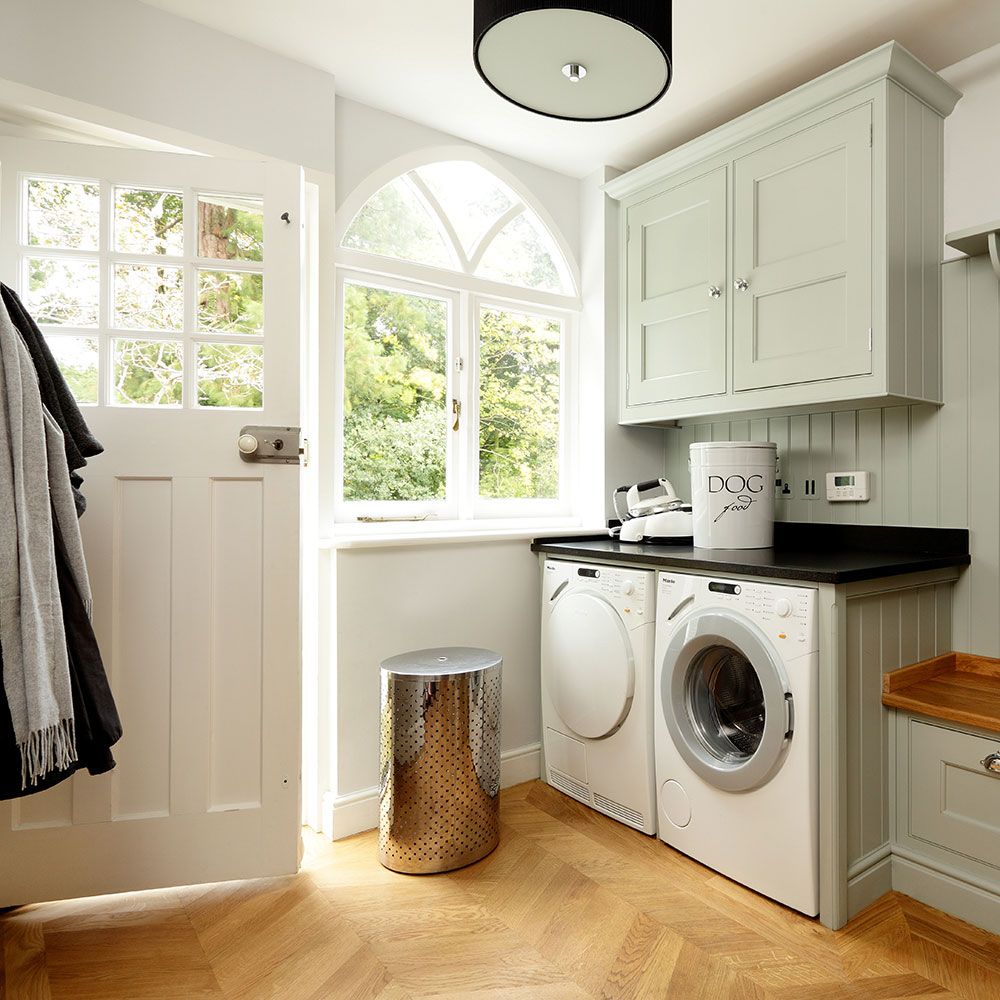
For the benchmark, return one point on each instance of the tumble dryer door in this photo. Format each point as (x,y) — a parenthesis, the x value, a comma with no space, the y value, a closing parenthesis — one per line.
(588,665)
(726,701)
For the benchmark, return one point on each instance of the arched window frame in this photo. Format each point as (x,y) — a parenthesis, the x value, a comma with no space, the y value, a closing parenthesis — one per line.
(466,294)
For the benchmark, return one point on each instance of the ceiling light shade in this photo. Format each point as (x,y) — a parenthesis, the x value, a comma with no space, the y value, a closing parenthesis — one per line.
(581,61)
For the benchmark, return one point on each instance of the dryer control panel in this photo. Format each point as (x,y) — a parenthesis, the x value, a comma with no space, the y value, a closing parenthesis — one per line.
(786,614)
(631,591)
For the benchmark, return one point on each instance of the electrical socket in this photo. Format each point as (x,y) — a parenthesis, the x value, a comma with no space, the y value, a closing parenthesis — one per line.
(808,489)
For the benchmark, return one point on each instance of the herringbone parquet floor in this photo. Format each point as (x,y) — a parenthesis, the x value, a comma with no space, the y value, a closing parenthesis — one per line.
(571,906)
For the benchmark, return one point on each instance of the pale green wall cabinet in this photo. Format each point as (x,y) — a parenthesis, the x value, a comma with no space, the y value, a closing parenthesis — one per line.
(791,257)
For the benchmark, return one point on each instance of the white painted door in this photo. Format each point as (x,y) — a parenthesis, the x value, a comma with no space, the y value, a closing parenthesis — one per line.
(676,339)
(802,256)
(172,288)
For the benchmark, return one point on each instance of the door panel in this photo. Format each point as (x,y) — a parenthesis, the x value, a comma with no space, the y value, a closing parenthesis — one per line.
(802,235)
(676,339)
(193,554)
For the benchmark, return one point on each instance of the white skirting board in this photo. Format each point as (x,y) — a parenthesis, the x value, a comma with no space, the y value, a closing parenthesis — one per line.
(344,815)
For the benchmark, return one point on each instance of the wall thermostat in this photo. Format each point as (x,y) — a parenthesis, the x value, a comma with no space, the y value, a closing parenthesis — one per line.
(847,486)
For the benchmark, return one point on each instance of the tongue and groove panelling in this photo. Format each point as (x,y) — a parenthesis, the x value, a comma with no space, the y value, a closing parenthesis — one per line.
(929,465)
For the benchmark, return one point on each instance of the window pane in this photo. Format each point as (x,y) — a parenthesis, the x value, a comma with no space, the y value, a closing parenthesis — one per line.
(230,302)
(230,227)
(230,375)
(148,372)
(523,254)
(62,292)
(394,222)
(471,197)
(64,214)
(77,360)
(149,221)
(519,390)
(395,389)
(149,297)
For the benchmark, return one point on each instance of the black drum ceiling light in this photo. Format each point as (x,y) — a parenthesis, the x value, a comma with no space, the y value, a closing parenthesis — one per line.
(582,61)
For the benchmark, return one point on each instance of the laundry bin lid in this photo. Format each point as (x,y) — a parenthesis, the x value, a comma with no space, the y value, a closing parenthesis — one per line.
(442,661)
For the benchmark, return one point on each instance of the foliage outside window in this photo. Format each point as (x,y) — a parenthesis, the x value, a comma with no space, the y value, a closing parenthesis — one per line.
(148,271)
(454,398)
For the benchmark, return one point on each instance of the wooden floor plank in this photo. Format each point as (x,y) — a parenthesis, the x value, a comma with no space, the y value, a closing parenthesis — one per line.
(571,906)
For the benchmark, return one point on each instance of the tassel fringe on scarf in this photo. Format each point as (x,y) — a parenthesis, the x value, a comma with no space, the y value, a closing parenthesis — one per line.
(46,750)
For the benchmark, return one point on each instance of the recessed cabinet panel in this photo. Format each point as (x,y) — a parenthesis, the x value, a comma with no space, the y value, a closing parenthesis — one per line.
(801,208)
(676,303)
(800,321)
(802,268)
(954,800)
(677,346)
(676,250)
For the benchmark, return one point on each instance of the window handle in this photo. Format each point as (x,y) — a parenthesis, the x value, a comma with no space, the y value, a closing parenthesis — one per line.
(456,408)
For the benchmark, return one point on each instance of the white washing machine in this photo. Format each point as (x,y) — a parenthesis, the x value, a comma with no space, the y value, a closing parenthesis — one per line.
(736,731)
(598,628)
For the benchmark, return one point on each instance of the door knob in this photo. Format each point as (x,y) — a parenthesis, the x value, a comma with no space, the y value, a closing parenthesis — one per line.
(714,291)
(741,284)
(247,444)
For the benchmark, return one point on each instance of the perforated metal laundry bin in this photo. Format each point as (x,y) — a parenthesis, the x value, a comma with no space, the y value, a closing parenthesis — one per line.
(440,759)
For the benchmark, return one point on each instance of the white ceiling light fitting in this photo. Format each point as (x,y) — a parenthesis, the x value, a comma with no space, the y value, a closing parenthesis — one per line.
(580,61)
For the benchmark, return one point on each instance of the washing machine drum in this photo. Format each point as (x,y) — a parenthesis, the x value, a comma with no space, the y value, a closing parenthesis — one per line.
(588,665)
(725,700)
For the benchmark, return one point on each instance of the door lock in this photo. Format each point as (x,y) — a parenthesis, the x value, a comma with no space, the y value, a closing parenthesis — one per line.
(274,445)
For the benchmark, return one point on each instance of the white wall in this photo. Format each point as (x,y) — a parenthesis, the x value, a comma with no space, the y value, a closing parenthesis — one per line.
(388,600)
(148,66)
(972,143)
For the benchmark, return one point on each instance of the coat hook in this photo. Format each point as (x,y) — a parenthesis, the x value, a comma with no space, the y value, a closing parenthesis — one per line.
(285,218)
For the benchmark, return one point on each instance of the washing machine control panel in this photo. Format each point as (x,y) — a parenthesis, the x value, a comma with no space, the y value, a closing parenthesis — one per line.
(787,615)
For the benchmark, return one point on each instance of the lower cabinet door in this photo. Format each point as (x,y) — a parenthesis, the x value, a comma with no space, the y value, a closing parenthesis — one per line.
(954,798)
(802,256)
(676,294)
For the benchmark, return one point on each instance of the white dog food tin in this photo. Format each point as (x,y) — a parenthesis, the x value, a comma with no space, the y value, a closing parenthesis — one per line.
(732,493)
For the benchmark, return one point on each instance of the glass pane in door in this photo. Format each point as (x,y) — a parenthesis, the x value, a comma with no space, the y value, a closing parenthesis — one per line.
(725,703)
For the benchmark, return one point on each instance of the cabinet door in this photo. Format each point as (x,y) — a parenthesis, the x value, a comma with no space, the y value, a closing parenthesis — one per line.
(676,329)
(802,256)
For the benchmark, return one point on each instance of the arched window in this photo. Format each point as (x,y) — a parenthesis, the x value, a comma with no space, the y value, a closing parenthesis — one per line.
(457,215)
(455,392)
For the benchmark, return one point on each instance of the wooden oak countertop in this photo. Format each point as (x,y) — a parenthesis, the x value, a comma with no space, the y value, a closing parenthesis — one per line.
(956,687)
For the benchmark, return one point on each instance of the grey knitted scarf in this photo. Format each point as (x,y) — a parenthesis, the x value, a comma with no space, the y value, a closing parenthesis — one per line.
(32,638)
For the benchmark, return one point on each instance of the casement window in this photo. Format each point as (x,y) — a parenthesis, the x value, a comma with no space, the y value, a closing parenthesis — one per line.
(457,328)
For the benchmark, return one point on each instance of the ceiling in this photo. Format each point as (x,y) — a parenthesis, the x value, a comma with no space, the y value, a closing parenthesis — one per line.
(414,59)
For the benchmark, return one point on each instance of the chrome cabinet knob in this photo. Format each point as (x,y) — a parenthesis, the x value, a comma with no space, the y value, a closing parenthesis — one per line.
(741,284)
(992,762)
(714,292)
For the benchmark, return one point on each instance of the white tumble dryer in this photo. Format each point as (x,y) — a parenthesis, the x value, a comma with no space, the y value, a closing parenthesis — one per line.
(736,731)
(598,628)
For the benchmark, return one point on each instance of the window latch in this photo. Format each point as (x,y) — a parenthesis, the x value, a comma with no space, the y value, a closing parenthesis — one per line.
(456,408)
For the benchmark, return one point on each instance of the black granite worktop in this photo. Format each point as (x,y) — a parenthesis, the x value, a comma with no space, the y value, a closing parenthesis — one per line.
(820,553)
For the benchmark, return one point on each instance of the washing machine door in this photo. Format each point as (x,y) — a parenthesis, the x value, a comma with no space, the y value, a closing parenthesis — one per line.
(726,701)
(588,665)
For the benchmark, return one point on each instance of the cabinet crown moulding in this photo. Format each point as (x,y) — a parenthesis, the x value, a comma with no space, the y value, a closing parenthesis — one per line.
(888,62)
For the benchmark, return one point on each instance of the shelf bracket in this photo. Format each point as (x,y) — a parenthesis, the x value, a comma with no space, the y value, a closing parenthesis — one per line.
(991,245)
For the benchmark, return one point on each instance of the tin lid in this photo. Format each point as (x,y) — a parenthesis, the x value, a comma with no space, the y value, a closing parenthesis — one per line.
(706,445)
(442,661)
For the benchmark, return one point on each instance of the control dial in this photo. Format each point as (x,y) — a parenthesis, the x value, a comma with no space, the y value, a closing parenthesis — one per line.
(783,607)
(628,588)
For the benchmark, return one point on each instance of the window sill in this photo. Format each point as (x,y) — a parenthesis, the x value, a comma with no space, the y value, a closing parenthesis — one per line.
(355,536)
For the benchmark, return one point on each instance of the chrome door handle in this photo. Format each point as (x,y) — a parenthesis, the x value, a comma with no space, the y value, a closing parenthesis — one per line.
(741,284)
(714,292)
